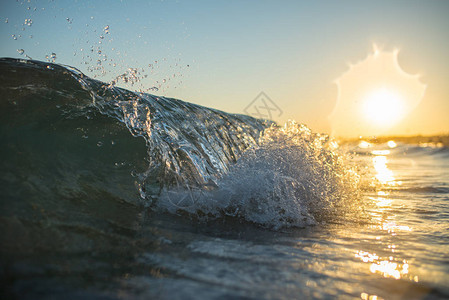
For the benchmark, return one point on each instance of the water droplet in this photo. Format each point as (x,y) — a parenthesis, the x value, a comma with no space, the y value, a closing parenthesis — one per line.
(6,21)
(99,144)
(14,37)
(69,20)
(28,22)
(21,51)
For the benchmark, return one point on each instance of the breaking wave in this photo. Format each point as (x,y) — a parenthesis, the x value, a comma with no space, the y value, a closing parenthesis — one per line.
(66,136)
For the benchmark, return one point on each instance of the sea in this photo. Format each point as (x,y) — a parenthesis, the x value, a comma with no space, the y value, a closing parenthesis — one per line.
(108,193)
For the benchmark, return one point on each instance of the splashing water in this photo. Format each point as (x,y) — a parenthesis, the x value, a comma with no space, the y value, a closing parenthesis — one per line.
(28,22)
(293,177)
(209,164)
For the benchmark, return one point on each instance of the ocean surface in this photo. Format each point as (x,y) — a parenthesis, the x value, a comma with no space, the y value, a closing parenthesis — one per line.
(113,194)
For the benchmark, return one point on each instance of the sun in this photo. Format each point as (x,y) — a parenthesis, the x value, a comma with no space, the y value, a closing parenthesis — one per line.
(383,107)
(374,96)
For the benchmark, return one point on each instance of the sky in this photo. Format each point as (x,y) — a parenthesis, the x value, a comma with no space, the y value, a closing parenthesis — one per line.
(297,57)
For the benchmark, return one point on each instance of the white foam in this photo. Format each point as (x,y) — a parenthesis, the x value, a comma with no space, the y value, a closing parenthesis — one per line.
(293,178)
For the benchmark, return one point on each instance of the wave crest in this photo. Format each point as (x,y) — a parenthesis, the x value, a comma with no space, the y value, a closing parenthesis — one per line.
(293,177)
(195,160)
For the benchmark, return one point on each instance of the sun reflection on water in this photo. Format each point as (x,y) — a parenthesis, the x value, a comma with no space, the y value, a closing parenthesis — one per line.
(392,227)
(392,144)
(366,296)
(380,152)
(383,202)
(389,269)
(383,174)
(388,265)
(364,145)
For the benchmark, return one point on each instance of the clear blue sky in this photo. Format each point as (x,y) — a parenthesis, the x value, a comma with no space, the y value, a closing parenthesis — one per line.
(222,54)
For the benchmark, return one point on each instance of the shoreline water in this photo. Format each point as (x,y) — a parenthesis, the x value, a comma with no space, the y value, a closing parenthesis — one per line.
(424,140)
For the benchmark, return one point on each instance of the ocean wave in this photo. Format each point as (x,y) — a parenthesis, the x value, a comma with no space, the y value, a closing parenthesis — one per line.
(67,136)
(291,178)
(436,189)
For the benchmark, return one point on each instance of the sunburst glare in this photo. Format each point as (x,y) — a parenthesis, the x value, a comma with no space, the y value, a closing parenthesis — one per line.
(383,107)
(374,95)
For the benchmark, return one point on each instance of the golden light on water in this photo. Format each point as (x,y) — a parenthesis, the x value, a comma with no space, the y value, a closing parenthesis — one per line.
(385,267)
(366,296)
(380,152)
(383,202)
(364,145)
(388,265)
(380,162)
(386,177)
(392,227)
(389,269)
(383,174)
(392,144)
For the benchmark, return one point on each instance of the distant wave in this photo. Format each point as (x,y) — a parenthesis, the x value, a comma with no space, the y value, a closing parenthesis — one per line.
(423,190)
